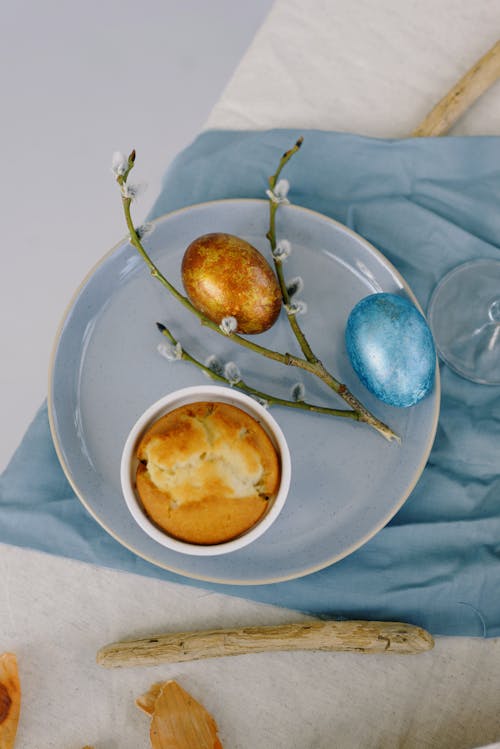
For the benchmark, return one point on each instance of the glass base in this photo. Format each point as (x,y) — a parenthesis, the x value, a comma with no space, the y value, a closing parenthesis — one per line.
(464,316)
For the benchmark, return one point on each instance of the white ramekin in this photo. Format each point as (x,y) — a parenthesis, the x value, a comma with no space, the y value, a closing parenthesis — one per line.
(182,397)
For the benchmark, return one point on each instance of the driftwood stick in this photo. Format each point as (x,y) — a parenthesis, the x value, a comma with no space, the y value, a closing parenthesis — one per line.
(469,88)
(347,636)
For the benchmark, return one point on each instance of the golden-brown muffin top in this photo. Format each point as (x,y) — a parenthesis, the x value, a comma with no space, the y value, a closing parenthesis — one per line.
(202,451)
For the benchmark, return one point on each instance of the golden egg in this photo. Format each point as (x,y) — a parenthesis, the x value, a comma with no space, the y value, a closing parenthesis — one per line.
(225,276)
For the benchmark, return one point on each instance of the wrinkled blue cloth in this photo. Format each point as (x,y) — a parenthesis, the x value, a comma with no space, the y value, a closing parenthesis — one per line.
(428,205)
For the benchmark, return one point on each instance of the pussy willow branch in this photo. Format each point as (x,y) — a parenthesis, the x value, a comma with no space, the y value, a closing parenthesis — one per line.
(242,385)
(319,368)
(314,366)
(278,265)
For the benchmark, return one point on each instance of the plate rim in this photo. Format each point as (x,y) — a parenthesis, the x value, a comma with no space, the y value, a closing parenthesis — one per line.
(208,578)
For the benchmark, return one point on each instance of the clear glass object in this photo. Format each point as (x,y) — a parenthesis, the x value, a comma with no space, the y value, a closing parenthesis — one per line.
(464,316)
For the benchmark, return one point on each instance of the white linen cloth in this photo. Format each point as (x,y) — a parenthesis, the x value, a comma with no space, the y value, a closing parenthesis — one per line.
(367,67)
(370,67)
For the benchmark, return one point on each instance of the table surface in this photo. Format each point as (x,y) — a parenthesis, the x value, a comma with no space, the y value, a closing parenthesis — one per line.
(370,67)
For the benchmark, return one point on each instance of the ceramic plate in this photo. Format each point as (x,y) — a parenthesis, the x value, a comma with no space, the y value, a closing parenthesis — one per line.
(347,481)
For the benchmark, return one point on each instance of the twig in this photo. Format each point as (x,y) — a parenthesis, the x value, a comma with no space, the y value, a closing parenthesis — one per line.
(259,394)
(464,93)
(344,636)
(318,367)
(278,265)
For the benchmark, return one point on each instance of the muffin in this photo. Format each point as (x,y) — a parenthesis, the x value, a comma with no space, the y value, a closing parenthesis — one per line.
(207,472)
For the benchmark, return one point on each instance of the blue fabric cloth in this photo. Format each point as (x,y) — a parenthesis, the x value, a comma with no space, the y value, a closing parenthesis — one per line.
(428,205)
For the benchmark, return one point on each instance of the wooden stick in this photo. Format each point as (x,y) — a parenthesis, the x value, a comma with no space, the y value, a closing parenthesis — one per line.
(469,88)
(347,636)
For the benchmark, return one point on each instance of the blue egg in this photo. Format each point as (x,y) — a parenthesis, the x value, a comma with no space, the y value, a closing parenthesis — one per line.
(391,349)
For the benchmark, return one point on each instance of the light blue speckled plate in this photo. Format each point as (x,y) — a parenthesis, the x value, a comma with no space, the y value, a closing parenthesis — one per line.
(347,481)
